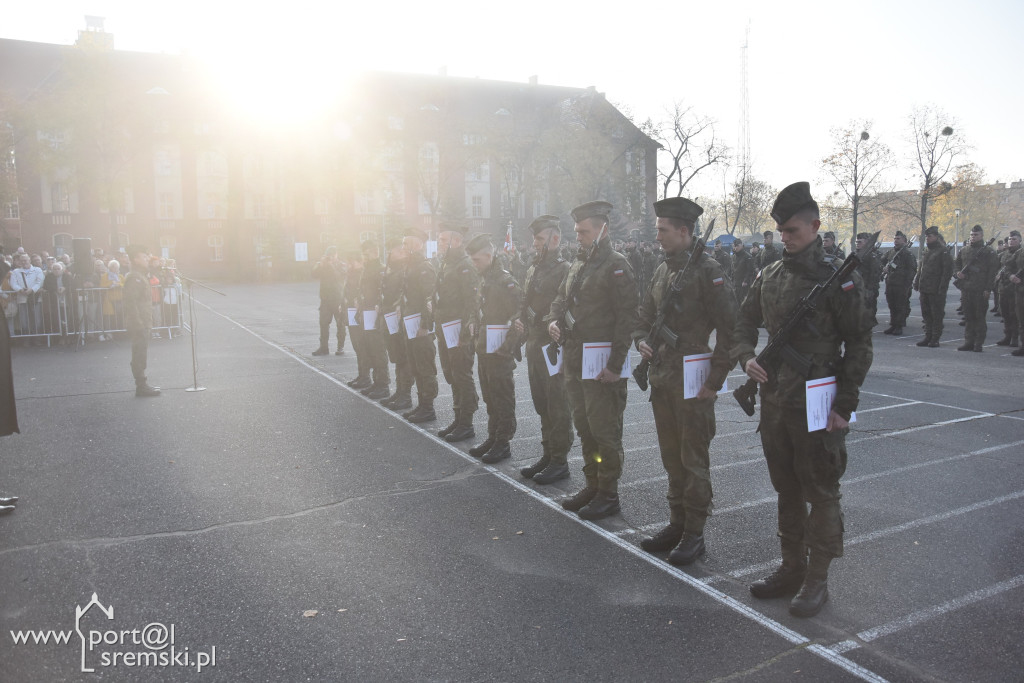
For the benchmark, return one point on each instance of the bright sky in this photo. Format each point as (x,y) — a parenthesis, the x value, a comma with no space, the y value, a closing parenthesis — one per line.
(812,65)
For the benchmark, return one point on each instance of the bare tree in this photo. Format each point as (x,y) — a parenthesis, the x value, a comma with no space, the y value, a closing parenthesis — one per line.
(858,165)
(689,141)
(936,147)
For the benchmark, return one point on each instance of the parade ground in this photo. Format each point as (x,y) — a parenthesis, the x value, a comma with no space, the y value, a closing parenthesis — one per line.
(278,526)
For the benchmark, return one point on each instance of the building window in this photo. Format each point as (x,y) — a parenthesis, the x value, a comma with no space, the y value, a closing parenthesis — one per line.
(478,206)
(216,244)
(167,244)
(166,205)
(60,199)
(11,210)
(62,243)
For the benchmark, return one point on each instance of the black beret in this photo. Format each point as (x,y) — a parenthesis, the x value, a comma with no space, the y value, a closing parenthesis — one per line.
(738,241)
(478,242)
(791,201)
(755,244)
(1015,233)
(678,207)
(453,227)
(831,235)
(769,233)
(542,223)
(932,230)
(899,233)
(977,228)
(596,209)
(413,231)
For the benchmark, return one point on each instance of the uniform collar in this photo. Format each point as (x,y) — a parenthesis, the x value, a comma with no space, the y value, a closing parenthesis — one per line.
(806,260)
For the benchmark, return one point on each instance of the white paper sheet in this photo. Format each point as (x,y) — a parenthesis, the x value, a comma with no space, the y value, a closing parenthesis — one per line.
(369,320)
(496,335)
(557,367)
(821,393)
(451,330)
(353,317)
(595,358)
(412,325)
(696,369)
(391,320)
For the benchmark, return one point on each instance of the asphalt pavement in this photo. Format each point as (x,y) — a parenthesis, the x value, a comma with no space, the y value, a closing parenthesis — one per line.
(283,528)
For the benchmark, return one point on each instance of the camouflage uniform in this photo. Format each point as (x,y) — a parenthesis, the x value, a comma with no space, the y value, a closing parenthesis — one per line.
(500,298)
(769,255)
(138,304)
(932,281)
(458,298)
(1017,268)
(742,272)
(686,427)
(806,467)
(355,332)
(1007,297)
(417,297)
(374,342)
(870,270)
(899,267)
(979,265)
(605,311)
(391,294)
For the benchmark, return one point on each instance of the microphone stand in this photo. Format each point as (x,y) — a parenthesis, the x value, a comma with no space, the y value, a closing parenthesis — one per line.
(190,283)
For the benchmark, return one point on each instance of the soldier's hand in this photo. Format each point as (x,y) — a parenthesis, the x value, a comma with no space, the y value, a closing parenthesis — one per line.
(959,276)
(645,351)
(554,332)
(518,326)
(1014,279)
(836,422)
(755,371)
(705,393)
(607,376)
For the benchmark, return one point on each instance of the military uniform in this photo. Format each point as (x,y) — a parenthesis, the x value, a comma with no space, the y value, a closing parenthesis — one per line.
(686,426)
(1007,295)
(374,342)
(550,400)
(742,273)
(418,291)
(805,467)
(1017,268)
(724,260)
(500,299)
(932,281)
(769,254)
(138,308)
(602,309)
(870,270)
(458,298)
(979,264)
(355,332)
(391,295)
(898,267)
(331,300)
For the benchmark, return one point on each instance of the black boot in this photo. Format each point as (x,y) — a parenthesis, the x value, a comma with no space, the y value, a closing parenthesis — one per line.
(146,391)
(498,452)
(1005,341)
(423,413)
(460,433)
(1018,352)
(889,329)
(450,428)
(478,451)
(604,504)
(401,403)
(691,546)
(814,591)
(965,347)
(576,502)
(535,468)
(977,348)
(552,473)
(666,539)
(360,382)
(786,580)
(933,344)
(1015,342)
(321,352)
(925,342)
(896,331)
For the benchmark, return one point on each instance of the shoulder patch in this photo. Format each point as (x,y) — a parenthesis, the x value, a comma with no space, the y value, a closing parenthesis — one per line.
(718,281)
(847,286)
(618,272)
(511,285)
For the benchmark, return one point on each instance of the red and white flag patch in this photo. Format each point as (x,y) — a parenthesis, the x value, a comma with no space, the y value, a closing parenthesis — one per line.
(718,281)
(847,286)
(618,272)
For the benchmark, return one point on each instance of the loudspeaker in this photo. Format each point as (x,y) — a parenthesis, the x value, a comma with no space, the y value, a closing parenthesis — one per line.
(81,250)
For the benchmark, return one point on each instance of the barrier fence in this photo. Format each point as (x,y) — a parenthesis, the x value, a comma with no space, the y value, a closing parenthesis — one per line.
(89,314)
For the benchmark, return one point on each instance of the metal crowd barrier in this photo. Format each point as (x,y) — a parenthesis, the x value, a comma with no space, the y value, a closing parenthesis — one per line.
(92,314)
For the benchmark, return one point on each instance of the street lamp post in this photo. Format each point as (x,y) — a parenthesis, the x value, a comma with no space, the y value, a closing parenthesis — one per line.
(956,243)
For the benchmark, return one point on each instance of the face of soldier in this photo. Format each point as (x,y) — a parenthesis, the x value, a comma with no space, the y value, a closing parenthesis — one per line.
(672,239)
(768,237)
(483,259)
(588,231)
(899,241)
(447,240)
(737,247)
(548,237)
(976,237)
(860,243)
(1013,242)
(931,239)
(798,232)
(827,242)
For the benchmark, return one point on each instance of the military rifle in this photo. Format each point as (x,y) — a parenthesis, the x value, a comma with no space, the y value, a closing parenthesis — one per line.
(891,263)
(567,322)
(526,312)
(959,282)
(659,330)
(778,348)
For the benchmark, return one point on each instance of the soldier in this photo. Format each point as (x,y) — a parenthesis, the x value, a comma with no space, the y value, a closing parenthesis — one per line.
(722,256)
(418,290)
(833,252)
(770,253)
(1007,294)
(328,271)
(975,269)
(458,299)
(362,380)
(742,270)
(138,304)
(596,303)
(1016,268)
(932,281)
(685,426)
(547,390)
(374,343)
(1001,246)
(870,270)
(805,467)
(500,299)
(391,295)
(898,269)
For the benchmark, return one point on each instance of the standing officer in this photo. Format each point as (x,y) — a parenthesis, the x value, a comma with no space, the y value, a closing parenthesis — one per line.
(742,270)
(975,269)
(547,390)
(596,303)
(831,249)
(870,270)
(458,298)
(362,380)
(374,343)
(769,253)
(805,467)
(1016,269)
(328,271)
(1007,295)
(898,268)
(722,256)
(138,304)
(500,299)
(391,296)
(685,426)
(418,291)
(932,281)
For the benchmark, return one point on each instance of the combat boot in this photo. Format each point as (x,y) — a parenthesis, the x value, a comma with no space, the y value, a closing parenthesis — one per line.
(360,383)
(896,331)
(321,352)
(535,468)
(814,591)
(889,330)
(933,344)
(552,473)
(450,428)
(603,504)
(965,347)
(423,413)
(576,502)
(460,433)
(691,546)
(478,451)
(498,452)
(146,391)
(401,403)
(1018,352)
(786,580)
(925,342)
(1005,341)
(666,539)
(1015,342)
(977,348)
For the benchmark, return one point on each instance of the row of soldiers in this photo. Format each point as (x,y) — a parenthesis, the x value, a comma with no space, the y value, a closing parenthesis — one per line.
(578,322)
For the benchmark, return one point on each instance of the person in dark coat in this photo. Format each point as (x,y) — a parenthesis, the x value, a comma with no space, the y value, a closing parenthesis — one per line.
(8,411)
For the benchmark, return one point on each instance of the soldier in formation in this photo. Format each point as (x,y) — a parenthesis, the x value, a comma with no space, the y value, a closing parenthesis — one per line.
(870,270)
(769,254)
(328,270)
(743,271)
(898,269)
(833,251)
(1007,291)
(391,295)
(368,315)
(932,281)
(974,271)
(416,310)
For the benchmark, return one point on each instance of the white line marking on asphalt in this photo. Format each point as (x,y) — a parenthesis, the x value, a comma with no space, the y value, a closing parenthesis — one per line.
(895,405)
(1012,417)
(743,610)
(714,468)
(921,428)
(927,403)
(921,616)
